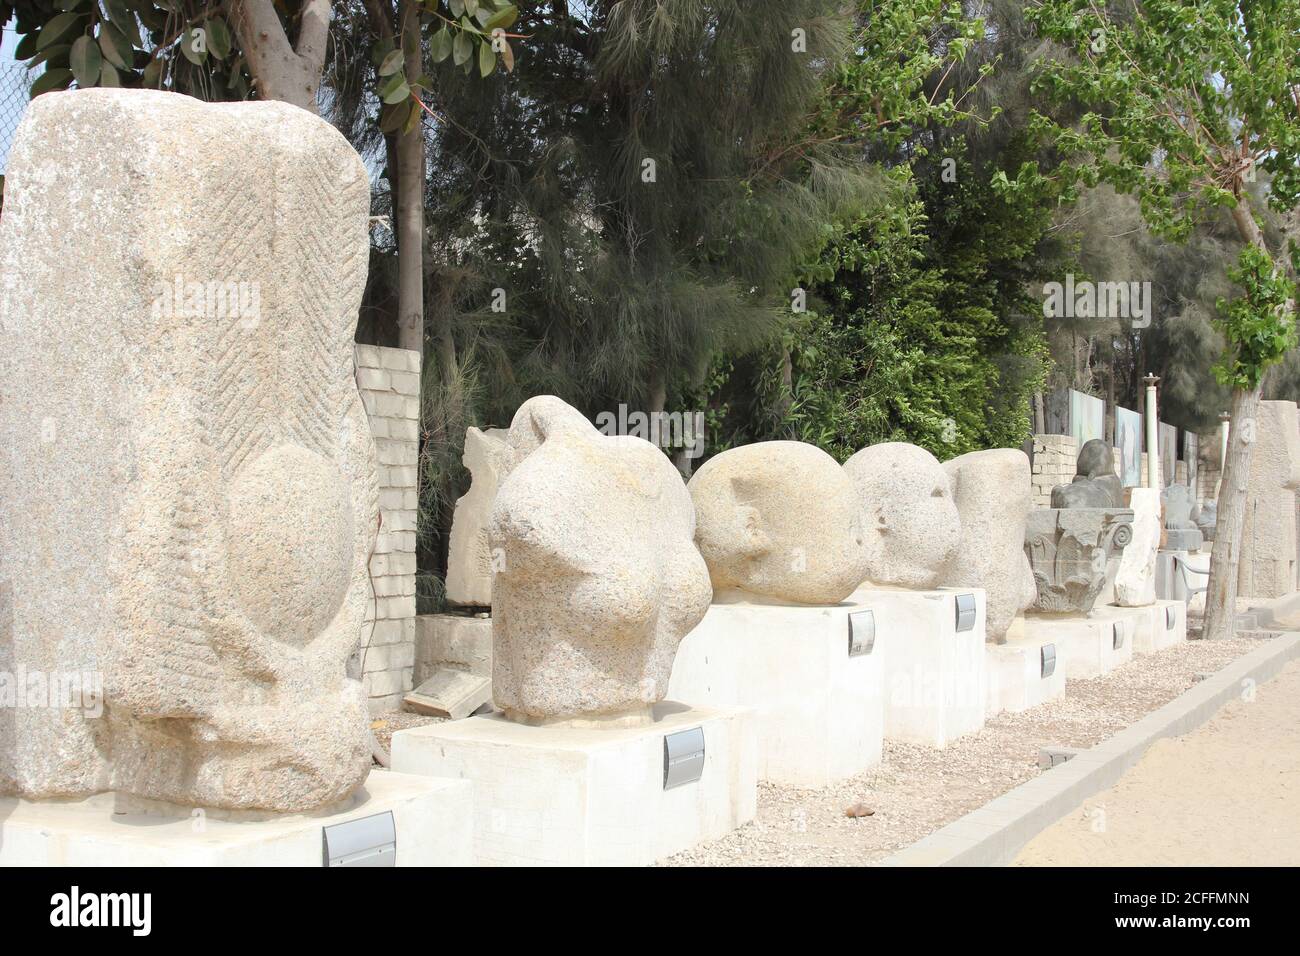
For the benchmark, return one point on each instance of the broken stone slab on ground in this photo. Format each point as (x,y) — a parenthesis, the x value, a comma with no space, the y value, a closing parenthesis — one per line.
(450,693)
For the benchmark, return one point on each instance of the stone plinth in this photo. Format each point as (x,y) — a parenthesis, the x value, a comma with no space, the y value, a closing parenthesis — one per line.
(558,795)
(1023,672)
(935,685)
(452,640)
(1157,626)
(1088,647)
(433,820)
(819,710)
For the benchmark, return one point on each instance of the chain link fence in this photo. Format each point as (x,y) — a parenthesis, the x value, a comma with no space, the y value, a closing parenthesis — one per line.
(15,80)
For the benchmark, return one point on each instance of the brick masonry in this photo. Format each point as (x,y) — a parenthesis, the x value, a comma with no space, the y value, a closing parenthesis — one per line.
(1053,464)
(390,391)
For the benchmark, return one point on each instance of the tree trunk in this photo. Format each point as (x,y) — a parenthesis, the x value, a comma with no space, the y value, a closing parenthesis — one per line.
(658,396)
(1221,594)
(410,203)
(281,70)
(1221,589)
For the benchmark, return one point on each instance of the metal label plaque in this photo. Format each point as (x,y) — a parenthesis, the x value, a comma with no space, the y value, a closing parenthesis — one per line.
(1117,636)
(683,757)
(369,841)
(965,612)
(1048,660)
(862,633)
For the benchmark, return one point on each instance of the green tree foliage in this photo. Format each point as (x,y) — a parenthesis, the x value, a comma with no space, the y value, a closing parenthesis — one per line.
(1187,101)
(188,46)
(924,328)
(631,203)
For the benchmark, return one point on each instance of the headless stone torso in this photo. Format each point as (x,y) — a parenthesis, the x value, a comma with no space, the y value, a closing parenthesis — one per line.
(1095,483)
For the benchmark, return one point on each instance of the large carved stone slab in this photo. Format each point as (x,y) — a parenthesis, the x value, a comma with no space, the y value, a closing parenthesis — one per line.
(1135,579)
(993,493)
(469,558)
(1268,541)
(1068,550)
(909,520)
(779,519)
(598,580)
(186,468)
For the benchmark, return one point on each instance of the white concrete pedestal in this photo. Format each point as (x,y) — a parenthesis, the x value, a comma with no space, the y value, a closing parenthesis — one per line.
(590,796)
(819,710)
(432,818)
(1155,626)
(1016,678)
(1088,647)
(934,688)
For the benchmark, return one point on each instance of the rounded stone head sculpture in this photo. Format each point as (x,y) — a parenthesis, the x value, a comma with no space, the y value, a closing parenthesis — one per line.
(597,576)
(779,519)
(910,521)
(1095,483)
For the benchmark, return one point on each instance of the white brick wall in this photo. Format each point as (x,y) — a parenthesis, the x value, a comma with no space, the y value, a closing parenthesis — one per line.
(390,391)
(1054,462)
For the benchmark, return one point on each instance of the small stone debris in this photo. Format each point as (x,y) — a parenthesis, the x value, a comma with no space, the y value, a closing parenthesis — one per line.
(859,810)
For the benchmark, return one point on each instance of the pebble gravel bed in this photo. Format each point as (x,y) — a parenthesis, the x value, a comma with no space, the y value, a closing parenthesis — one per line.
(917,789)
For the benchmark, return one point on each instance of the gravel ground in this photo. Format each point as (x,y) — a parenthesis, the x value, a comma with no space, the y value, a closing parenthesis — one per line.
(917,789)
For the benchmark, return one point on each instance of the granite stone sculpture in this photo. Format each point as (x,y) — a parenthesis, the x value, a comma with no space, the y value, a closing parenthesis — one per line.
(188,475)
(1268,540)
(469,559)
(1095,483)
(1181,533)
(1068,550)
(993,496)
(1135,578)
(1207,520)
(910,523)
(779,519)
(598,579)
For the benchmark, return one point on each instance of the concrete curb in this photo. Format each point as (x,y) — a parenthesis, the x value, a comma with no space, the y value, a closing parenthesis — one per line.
(995,833)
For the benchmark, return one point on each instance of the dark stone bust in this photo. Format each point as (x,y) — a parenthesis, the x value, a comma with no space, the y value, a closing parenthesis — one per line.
(1095,483)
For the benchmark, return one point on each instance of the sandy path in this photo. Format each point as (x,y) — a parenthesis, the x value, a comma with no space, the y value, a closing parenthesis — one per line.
(1227,794)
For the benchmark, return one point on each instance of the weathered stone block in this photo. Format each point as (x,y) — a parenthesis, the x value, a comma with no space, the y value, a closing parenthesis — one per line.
(992,492)
(194,524)
(1068,550)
